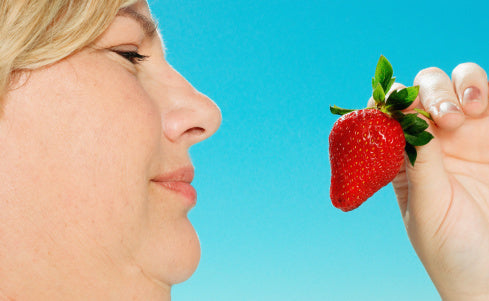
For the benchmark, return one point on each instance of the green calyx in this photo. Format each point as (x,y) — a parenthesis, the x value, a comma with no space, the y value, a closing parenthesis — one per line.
(413,126)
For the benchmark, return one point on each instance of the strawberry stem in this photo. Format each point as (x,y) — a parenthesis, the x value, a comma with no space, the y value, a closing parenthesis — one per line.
(424,113)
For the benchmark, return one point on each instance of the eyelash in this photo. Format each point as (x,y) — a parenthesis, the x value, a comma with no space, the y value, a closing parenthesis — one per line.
(132,56)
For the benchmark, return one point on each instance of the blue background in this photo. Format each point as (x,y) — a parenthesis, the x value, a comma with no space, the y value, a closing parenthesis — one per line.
(267,228)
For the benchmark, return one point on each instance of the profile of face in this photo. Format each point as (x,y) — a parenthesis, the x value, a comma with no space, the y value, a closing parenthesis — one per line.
(95,165)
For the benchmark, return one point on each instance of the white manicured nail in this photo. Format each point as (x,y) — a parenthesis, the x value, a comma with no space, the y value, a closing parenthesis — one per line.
(471,95)
(444,107)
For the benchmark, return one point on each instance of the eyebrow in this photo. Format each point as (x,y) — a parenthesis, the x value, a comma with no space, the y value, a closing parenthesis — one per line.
(149,25)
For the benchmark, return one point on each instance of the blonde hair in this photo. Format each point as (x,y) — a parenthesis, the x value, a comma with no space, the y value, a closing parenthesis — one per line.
(36,33)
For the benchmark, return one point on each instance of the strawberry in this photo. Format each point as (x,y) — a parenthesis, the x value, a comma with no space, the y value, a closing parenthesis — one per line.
(367,146)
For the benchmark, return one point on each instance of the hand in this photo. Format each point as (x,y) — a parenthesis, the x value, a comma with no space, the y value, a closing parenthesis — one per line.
(444,198)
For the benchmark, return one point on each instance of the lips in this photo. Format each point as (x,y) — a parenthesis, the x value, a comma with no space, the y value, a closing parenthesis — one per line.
(179,181)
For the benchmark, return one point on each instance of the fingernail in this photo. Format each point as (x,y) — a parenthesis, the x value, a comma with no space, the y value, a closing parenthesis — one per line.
(444,107)
(471,94)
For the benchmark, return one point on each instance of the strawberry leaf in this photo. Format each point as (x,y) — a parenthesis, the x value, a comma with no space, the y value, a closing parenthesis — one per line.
(383,73)
(401,99)
(391,82)
(379,94)
(412,124)
(397,115)
(339,111)
(411,153)
(418,139)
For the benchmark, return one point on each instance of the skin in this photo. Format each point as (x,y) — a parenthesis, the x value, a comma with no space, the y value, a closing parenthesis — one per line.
(82,140)
(444,198)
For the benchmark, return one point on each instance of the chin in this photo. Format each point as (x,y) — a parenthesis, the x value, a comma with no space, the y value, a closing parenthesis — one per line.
(174,257)
(187,259)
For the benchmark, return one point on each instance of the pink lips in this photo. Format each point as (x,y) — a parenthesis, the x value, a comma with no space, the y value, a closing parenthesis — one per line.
(179,181)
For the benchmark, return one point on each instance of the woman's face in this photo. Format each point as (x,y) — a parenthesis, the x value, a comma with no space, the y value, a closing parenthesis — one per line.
(95,160)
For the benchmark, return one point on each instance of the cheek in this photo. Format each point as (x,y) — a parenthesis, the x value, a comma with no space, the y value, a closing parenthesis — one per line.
(89,151)
(117,134)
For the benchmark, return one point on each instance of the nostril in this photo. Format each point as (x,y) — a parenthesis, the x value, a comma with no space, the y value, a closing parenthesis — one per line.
(195,131)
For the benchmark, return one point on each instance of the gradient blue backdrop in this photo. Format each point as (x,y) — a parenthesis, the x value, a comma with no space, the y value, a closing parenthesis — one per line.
(267,228)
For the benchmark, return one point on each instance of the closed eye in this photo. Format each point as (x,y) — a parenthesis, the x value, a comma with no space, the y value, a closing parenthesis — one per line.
(132,56)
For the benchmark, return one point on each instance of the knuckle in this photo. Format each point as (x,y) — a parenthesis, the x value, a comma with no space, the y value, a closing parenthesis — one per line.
(467,70)
(427,72)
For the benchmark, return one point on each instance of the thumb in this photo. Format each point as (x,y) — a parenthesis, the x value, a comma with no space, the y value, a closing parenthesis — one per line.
(429,189)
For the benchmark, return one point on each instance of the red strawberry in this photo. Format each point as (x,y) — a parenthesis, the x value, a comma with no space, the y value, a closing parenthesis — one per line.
(367,146)
(366,150)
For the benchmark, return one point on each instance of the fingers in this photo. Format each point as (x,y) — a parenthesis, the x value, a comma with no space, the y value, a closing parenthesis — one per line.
(438,97)
(470,84)
(450,103)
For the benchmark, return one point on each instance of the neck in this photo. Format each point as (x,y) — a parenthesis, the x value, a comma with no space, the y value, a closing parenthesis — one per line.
(60,291)
(62,282)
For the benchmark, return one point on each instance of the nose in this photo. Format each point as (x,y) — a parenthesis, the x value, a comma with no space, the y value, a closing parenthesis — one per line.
(190,116)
